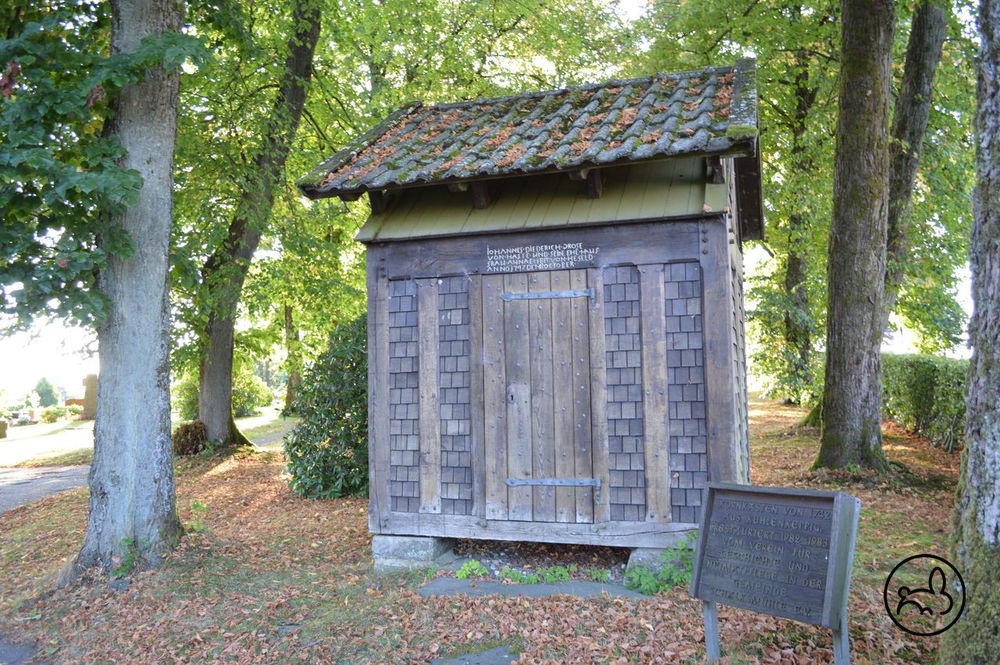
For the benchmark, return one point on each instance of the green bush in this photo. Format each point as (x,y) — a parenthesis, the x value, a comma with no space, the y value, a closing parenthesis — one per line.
(472,568)
(250,393)
(51,414)
(328,452)
(519,577)
(184,397)
(926,394)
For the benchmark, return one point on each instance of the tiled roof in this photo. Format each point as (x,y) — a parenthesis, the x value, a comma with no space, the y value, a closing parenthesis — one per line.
(708,112)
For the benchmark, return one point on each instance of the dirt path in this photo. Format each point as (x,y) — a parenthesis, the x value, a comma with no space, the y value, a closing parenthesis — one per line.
(39,441)
(23,485)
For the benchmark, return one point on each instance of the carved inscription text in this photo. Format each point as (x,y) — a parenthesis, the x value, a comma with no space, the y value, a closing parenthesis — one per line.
(531,258)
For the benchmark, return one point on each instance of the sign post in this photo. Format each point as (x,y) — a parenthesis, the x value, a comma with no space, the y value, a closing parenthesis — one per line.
(778,551)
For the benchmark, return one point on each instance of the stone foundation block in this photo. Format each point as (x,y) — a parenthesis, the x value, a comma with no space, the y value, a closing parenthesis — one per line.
(396,553)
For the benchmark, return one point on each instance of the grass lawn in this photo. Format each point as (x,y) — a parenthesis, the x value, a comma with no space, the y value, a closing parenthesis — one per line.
(266,429)
(263,576)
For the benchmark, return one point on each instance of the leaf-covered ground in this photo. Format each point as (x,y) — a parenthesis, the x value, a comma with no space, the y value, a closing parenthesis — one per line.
(266,577)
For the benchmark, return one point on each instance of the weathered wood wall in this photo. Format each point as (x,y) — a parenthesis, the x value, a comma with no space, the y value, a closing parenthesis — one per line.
(574,385)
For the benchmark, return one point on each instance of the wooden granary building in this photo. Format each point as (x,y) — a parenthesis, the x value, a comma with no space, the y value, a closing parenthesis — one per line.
(555,307)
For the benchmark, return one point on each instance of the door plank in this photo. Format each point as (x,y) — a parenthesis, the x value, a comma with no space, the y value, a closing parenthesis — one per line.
(494,462)
(583,451)
(517,346)
(564,413)
(542,389)
(599,399)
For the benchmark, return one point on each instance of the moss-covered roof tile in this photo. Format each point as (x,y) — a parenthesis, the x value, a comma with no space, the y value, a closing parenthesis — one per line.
(661,116)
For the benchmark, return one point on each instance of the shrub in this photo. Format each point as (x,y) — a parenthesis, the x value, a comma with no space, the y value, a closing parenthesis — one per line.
(472,568)
(184,397)
(190,438)
(328,452)
(250,393)
(519,577)
(51,414)
(675,569)
(926,394)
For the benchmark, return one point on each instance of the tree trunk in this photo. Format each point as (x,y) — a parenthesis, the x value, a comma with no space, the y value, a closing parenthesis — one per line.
(909,124)
(973,640)
(798,323)
(226,270)
(132,509)
(852,399)
(798,318)
(215,389)
(293,363)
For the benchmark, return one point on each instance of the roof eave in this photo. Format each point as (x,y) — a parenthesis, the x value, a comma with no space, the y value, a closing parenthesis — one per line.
(311,184)
(744,147)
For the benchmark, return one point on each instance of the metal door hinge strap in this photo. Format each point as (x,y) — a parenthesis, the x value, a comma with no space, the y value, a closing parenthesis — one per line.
(558,482)
(545,295)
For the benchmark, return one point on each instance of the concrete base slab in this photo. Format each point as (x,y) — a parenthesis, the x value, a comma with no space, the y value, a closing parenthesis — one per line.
(448,586)
(398,553)
(646,557)
(497,656)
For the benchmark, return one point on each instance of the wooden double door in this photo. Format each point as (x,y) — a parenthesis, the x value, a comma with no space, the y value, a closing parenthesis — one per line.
(539,340)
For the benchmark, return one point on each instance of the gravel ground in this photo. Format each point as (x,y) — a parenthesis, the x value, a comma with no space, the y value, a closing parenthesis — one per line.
(582,561)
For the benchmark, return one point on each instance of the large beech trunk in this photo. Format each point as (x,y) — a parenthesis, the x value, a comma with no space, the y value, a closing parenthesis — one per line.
(973,640)
(226,270)
(852,399)
(132,509)
(909,124)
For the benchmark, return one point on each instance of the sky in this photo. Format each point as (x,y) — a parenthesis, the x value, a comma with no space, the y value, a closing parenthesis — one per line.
(54,352)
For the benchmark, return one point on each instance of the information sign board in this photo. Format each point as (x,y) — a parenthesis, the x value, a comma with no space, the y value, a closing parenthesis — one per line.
(779,551)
